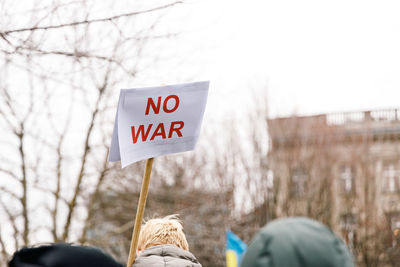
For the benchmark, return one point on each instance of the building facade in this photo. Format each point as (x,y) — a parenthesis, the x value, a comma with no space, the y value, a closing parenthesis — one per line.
(344,170)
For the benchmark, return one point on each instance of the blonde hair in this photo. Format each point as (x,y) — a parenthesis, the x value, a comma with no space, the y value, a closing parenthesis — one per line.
(162,231)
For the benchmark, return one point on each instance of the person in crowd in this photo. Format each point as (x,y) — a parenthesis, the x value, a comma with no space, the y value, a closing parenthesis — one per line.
(62,255)
(296,242)
(163,243)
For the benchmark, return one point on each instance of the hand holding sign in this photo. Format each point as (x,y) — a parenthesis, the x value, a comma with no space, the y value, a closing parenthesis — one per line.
(156,121)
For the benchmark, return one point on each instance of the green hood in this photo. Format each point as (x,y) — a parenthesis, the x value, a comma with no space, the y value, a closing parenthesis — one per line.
(296,242)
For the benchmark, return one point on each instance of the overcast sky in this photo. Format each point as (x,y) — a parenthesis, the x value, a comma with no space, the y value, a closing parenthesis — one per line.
(313,56)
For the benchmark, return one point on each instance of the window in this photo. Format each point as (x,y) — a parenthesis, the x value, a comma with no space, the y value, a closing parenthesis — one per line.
(348,226)
(346,180)
(394,222)
(391,177)
(270,179)
(298,183)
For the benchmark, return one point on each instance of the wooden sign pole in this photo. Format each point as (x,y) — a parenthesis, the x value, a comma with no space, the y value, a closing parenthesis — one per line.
(139,212)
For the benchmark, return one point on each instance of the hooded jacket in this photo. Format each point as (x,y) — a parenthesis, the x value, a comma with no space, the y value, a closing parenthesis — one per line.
(296,242)
(62,255)
(166,256)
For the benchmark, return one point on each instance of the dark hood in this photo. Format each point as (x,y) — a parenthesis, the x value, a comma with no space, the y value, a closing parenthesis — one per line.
(62,255)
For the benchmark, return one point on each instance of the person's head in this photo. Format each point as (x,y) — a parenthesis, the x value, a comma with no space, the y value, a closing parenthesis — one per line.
(296,242)
(62,255)
(162,231)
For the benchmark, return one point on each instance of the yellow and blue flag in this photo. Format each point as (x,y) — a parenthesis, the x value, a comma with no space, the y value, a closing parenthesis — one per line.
(234,249)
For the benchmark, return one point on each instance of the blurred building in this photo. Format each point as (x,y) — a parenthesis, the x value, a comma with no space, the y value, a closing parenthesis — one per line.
(342,169)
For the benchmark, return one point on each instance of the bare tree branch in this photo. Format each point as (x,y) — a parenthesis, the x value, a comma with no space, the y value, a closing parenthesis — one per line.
(12,220)
(24,183)
(60,159)
(89,21)
(8,103)
(72,203)
(10,173)
(94,198)
(9,192)
(3,247)
(54,212)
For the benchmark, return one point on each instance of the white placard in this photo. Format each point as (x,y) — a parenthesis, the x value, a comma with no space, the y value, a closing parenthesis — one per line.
(156,121)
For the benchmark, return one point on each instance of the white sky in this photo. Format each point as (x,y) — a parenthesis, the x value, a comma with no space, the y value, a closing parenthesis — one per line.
(313,56)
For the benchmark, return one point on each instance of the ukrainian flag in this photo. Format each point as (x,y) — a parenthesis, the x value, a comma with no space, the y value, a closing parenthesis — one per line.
(234,249)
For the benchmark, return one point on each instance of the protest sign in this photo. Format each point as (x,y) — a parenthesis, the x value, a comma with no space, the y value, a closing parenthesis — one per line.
(152,122)
(157,121)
